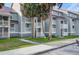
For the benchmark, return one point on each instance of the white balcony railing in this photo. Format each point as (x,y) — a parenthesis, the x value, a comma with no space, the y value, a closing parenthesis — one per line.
(3,23)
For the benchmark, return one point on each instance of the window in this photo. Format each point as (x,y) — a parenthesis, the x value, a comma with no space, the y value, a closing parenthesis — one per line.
(65,22)
(73,27)
(54,26)
(53,18)
(35,20)
(60,13)
(5,29)
(14,16)
(0,22)
(0,17)
(39,20)
(0,31)
(72,19)
(27,25)
(12,27)
(61,22)
(39,29)
(5,17)
(10,17)
(65,30)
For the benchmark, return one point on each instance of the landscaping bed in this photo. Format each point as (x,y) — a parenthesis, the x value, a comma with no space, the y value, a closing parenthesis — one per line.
(12,43)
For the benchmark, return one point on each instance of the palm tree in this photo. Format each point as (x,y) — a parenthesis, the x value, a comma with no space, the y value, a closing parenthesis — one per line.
(31,11)
(46,10)
(43,14)
(52,5)
(40,10)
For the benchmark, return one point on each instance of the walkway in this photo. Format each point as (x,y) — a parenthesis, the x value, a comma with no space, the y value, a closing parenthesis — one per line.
(29,41)
(37,48)
(68,50)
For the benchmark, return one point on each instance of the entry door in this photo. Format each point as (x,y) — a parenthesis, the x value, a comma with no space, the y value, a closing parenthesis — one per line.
(0,32)
(38,32)
(5,32)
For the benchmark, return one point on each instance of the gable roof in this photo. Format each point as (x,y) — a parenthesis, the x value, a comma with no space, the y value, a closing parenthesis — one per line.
(6,10)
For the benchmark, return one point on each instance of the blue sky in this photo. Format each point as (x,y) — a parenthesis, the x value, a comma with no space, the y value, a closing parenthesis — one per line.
(68,6)
(71,6)
(8,4)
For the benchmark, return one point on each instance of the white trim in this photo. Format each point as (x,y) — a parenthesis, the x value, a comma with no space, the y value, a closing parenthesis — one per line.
(26,32)
(71,32)
(14,32)
(3,14)
(15,19)
(9,27)
(21,32)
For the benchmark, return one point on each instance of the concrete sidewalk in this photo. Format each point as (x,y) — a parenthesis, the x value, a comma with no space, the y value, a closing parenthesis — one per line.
(27,50)
(29,41)
(38,48)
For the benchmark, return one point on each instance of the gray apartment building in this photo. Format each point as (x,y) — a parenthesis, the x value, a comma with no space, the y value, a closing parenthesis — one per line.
(13,23)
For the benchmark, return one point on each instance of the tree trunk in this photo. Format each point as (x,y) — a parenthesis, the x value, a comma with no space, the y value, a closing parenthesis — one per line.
(33,27)
(50,25)
(42,28)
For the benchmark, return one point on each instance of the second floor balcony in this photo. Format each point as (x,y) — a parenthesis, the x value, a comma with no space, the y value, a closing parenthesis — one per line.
(4,23)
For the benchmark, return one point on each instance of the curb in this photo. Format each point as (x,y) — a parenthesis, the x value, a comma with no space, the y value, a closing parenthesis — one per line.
(38,53)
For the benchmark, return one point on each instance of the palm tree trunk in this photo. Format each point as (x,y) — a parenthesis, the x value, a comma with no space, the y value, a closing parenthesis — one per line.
(42,28)
(50,25)
(33,27)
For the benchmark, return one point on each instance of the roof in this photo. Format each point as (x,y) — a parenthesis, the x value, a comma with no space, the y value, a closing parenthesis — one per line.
(66,11)
(6,11)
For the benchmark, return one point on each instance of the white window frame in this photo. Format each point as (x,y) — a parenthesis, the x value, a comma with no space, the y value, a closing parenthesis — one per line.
(13,28)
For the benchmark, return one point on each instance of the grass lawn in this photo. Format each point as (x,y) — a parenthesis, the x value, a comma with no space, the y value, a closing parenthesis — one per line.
(43,40)
(12,43)
(70,37)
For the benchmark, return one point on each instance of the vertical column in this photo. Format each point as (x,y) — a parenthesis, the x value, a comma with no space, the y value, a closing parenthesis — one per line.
(21,25)
(9,27)
(2,28)
(42,28)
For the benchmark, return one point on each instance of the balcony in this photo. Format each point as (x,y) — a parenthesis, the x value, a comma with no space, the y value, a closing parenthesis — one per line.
(5,23)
